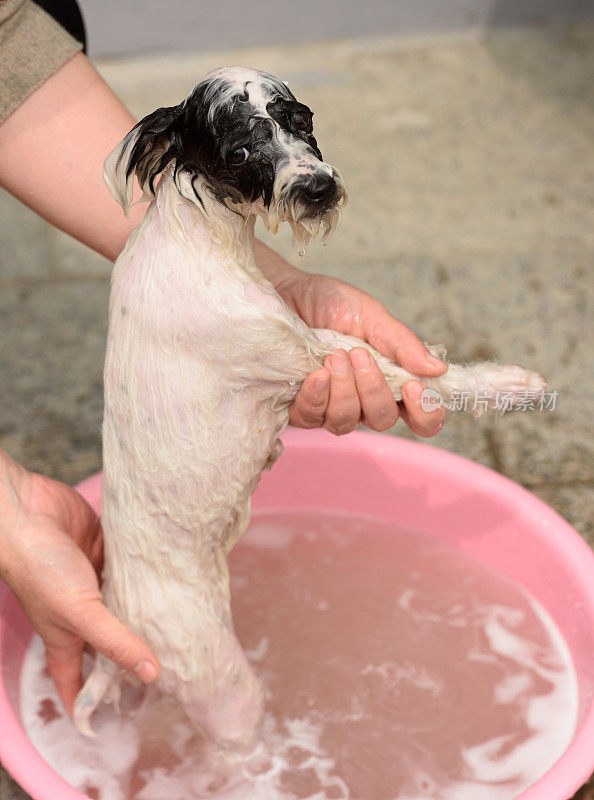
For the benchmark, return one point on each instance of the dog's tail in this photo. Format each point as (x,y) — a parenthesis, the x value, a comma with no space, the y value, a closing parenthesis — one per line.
(102,685)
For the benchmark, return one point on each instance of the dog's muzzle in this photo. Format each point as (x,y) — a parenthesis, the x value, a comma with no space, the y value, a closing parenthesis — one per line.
(311,193)
(316,193)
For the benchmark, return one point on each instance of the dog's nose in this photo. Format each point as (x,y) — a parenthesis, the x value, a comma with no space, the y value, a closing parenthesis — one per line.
(320,190)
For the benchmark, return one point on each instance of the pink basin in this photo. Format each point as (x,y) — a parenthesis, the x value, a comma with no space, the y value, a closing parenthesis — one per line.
(419,487)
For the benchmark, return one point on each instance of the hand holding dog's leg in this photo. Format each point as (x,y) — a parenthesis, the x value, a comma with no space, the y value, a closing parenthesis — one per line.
(358,393)
(484,386)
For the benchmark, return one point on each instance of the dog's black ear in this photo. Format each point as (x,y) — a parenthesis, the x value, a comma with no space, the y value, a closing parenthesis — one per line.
(145,152)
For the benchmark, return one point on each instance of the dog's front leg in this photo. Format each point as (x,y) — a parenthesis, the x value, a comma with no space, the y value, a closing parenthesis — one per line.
(485,386)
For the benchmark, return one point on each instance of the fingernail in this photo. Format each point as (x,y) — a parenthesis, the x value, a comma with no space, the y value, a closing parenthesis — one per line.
(338,365)
(437,429)
(321,383)
(360,359)
(146,671)
(433,361)
(413,391)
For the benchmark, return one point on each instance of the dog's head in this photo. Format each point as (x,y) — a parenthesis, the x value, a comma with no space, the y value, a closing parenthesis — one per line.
(250,139)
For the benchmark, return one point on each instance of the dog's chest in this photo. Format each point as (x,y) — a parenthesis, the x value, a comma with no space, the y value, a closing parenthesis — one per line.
(217,338)
(190,384)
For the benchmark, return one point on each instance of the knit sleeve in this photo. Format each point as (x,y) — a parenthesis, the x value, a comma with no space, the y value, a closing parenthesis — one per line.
(32,47)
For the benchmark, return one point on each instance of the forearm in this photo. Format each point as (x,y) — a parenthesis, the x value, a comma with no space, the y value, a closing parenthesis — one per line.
(51,155)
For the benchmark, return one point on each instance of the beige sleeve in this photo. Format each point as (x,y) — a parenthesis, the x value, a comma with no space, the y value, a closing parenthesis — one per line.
(32,47)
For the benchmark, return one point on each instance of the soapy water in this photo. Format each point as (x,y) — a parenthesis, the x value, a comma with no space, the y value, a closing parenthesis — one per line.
(395,668)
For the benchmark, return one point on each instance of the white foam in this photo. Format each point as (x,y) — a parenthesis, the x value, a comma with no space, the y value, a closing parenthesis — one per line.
(269,536)
(84,763)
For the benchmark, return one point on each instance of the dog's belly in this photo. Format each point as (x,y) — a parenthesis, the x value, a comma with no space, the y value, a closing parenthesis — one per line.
(192,475)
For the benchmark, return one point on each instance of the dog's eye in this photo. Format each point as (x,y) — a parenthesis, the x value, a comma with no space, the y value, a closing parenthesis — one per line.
(239,156)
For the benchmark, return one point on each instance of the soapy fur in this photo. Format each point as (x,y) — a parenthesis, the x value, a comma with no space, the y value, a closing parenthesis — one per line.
(203,360)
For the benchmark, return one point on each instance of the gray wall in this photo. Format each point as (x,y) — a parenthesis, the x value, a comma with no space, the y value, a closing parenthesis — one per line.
(121,27)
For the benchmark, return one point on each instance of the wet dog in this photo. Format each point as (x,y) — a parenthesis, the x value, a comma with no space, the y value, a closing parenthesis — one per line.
(203,360)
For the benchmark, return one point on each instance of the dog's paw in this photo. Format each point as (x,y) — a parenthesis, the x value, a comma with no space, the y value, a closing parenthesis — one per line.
(511,386)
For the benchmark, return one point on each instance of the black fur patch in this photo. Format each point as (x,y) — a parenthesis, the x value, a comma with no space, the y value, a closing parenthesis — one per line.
(200,133)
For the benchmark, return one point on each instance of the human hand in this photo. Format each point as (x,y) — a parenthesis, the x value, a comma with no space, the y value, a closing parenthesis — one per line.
(51,554)
(350,388)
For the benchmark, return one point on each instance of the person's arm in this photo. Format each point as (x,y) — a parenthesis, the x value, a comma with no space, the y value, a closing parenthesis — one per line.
(52,150)
(51,157)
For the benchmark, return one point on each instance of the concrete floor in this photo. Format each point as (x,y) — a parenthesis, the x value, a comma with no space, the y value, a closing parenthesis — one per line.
(469,163)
